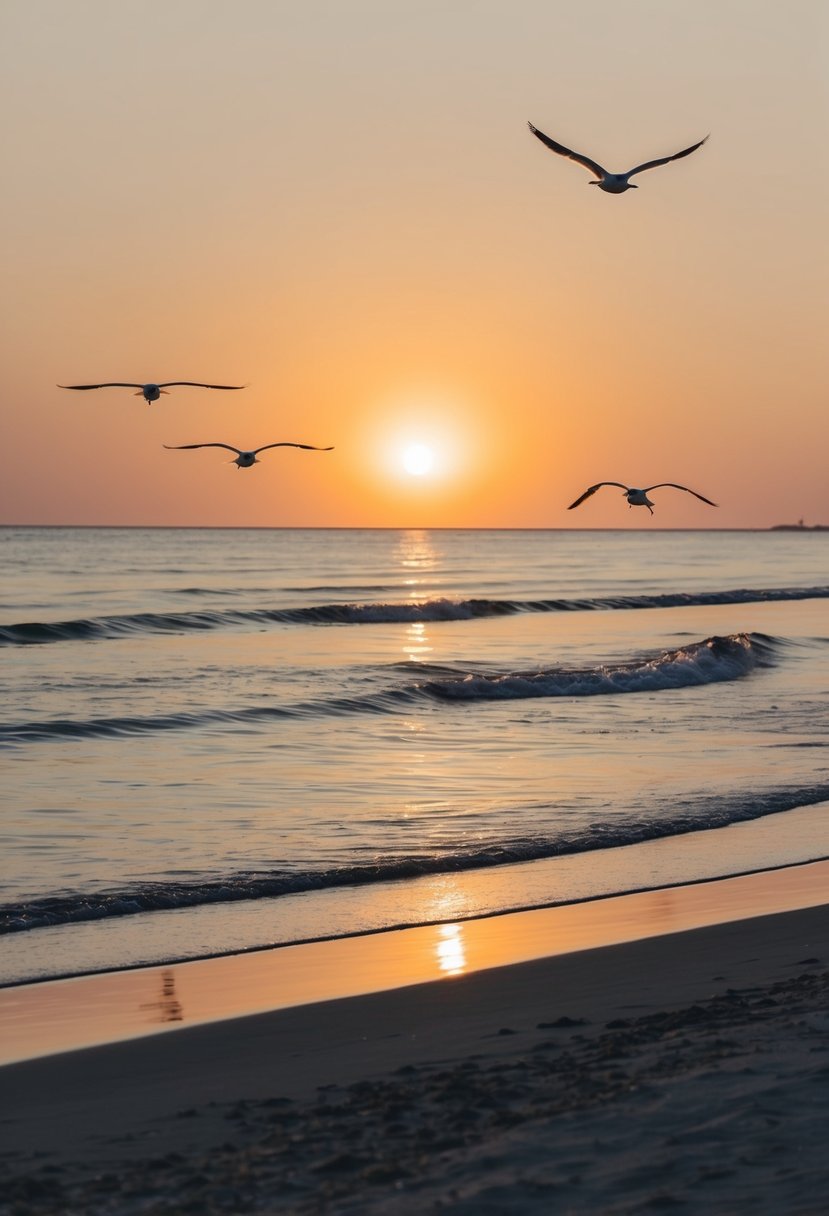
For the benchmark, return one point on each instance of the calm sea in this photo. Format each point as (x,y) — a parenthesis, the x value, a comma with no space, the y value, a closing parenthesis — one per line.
(215,740)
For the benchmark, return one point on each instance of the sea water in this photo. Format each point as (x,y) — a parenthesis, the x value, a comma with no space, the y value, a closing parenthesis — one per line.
(221,739)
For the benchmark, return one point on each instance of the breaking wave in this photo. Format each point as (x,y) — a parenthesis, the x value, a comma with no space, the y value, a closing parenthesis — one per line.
(711,661)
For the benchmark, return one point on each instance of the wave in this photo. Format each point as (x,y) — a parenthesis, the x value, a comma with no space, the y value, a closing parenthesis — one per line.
(689,815)
(101,628)
(711,661)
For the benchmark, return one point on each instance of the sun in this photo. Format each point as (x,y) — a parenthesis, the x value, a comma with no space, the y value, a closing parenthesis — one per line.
(418,459)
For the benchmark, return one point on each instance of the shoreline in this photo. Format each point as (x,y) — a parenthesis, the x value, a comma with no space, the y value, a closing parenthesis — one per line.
(99,946)
(462,919)
(54,1016)
(681,1067)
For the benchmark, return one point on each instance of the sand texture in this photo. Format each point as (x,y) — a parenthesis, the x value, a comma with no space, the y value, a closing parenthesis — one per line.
(689,1071)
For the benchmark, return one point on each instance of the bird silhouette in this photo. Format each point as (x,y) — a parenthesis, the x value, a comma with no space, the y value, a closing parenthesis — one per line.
(638,498)
(244,459)
(150,391)
(611,183)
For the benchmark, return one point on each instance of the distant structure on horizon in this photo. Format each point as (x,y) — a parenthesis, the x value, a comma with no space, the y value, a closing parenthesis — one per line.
(800,526)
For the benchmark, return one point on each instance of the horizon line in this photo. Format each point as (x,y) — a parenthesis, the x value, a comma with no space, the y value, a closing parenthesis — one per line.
(409,528)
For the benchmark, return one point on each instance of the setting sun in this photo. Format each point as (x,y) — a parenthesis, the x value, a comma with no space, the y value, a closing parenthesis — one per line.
(418,459)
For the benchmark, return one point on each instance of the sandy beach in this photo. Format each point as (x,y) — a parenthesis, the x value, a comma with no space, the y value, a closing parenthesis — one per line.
(686,1070)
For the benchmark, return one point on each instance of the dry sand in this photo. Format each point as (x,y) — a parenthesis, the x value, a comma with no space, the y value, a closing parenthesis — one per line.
(687,1071)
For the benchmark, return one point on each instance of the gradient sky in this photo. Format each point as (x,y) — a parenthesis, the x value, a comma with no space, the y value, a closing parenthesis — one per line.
(339,204)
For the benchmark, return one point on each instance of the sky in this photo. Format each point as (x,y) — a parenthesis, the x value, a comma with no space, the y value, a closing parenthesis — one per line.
(339,205)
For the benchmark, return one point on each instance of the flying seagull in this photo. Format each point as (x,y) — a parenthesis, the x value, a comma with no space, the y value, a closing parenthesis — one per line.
(638,498)
(612,183)
(150,392)
(244,459)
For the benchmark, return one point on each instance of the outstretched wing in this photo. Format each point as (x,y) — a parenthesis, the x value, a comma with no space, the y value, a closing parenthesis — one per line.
(592,165)
(197,384)
(308,447)
(593,489)
(673,485)
(185,447)
(664,160)
(109,384)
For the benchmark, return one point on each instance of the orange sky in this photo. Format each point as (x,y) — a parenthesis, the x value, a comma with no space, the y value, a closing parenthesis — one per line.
(339,204)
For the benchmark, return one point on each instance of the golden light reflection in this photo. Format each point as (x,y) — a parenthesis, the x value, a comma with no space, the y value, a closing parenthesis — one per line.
(416,556)
(415,551)
(450,949)
(416,642)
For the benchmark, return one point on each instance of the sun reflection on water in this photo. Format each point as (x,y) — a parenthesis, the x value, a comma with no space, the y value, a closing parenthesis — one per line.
(416,643)
(416,556)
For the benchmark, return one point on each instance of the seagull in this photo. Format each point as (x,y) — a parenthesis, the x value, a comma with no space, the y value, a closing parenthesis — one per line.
(612,183)
(150,392)
(638,498)
(244,460)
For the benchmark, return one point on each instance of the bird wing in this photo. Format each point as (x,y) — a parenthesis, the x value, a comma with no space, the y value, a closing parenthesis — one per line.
(593,489)
(197,384)
(309,447)
(109,384)
(673,485)
(183,447)
(663,160)
(592,165)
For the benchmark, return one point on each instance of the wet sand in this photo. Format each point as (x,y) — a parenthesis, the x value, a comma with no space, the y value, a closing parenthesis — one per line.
(687,1069)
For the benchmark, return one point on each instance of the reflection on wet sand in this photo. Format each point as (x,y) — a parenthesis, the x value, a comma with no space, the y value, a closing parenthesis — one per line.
(450,950)
(168,1005)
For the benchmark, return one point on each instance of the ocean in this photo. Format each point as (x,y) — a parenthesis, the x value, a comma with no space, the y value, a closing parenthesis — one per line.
(219,740)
